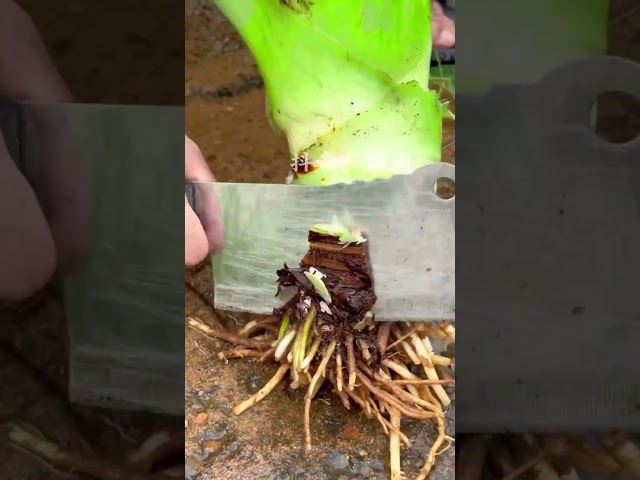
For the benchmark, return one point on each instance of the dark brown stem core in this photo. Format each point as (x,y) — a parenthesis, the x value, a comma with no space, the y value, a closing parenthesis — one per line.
(347,276)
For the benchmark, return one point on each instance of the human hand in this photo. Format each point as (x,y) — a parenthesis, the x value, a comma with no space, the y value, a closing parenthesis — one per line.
(44,219)
(443,29)
(202,236)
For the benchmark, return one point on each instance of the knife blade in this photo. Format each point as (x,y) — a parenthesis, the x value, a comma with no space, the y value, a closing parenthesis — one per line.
(410,235)
(556,246)
(123,306)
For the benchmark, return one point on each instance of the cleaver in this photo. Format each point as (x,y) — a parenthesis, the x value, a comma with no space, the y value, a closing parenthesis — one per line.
(118,170)
(410,234)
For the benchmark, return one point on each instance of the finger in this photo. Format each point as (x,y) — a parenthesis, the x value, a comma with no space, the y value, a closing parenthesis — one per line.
(209,213)
(60,181)
(443,29)
(56,171)
(196,245)
(195,166)
(27,252)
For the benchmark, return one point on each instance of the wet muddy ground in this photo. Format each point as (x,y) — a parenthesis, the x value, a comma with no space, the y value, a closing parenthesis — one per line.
(226,118)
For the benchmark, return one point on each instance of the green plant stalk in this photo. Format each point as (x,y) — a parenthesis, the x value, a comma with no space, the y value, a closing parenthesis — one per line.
(346,82)
(304,341)
(284,324)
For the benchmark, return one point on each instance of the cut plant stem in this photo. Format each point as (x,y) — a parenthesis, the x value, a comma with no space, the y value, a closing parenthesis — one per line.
(263,392)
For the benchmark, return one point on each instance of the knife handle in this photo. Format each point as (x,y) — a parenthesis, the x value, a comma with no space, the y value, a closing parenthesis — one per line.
(12,129)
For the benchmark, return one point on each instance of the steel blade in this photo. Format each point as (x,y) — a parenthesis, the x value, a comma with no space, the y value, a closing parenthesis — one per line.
(410,231)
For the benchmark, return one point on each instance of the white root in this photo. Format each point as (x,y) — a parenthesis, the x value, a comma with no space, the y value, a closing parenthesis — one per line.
(244,330)
(339,371)
(425,357)
(312,353)
(351,364)
(264,391)
(431,458)
(364,349)
(57,458)
(394,444)
(412,355)
(284,344)
(450,330)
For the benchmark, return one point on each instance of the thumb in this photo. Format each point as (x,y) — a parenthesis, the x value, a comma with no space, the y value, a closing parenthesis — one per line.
(209,213)
(27,251)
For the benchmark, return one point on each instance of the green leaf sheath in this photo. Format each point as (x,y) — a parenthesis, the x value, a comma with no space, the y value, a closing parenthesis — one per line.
(346,82)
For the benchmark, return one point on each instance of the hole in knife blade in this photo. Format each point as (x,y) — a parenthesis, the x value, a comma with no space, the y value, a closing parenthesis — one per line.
(445,188)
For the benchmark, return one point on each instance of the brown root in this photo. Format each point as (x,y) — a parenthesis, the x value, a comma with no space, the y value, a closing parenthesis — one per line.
(312,391)
(65,461)
(391,400)
(431,458)
(240,353)
(383,336)
(212,332)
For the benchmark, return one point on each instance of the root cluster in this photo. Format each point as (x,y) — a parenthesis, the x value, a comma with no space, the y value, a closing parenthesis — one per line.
(328,336)
(551,456)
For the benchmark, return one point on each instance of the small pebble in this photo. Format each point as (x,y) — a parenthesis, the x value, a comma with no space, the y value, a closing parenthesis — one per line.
(212,446)
(366,471)
(336,463)
(350,433)
(218,431)
(201,418)
(333,426)
(254,382)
